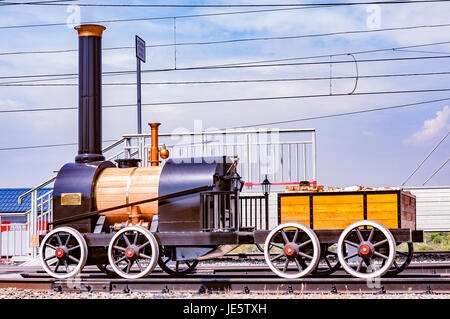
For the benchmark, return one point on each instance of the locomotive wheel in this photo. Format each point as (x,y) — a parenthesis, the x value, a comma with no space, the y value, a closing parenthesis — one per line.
(402,260)
(292,243)
(369,253)
(176,268)
(130,246)
(63,252)
(330,258)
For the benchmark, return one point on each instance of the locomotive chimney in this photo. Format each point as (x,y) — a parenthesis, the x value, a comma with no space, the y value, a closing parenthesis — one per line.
(90,93)
(154,151)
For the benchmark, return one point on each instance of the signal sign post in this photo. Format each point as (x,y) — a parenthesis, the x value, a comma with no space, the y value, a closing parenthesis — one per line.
(140,56)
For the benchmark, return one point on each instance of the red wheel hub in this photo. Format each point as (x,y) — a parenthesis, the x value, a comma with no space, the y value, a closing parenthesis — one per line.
(289,250)
(59,253)
(364,249)
(129,252)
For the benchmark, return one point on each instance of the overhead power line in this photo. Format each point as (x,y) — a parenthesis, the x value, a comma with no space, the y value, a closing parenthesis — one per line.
(159,18)
(268,98)
(346,113)
(243,40)
(435,172)
(235,66)
(52,3)
(269,61)
(262,124)
(428,156)
(235,81)
(4,3)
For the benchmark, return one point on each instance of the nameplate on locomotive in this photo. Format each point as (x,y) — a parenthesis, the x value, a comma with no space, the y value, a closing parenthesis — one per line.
(70,199)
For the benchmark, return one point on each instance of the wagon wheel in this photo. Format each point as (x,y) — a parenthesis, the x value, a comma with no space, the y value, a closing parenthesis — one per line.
(176,268)
(133,246)
(366,253)
(63,252)
(330,258)
(402,260)
(292,243)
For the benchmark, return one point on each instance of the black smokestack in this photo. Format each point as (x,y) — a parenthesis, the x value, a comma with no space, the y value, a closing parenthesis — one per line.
(90,94)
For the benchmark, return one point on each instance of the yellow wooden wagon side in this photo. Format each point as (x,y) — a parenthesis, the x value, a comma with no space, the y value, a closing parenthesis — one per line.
(394,209)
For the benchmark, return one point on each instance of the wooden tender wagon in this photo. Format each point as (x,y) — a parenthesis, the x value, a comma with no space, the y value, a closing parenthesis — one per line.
(359,230)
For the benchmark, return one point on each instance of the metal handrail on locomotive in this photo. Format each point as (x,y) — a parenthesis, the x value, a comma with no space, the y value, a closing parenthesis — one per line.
(126,218)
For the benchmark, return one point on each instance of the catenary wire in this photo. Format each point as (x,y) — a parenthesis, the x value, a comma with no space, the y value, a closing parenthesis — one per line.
(212,67)
(263,124)
(122,5)
(242,40)
(236,81)
(291,97)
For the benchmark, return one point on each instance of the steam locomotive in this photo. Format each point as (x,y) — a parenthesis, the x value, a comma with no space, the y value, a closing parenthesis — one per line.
(126,218)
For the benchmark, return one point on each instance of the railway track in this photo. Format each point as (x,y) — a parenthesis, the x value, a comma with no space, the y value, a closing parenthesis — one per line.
(418,278)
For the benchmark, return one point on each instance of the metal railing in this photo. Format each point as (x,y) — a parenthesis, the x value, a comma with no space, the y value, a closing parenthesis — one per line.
(219,211)
(261,152)
(255,212)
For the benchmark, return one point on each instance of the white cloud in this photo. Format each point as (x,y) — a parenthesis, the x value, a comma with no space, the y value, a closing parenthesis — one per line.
(431,128)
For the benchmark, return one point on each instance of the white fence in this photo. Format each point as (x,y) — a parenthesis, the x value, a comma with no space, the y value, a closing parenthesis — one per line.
(14,240)
(432,207)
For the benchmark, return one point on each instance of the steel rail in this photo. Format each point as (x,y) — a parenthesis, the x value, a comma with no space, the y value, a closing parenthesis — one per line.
(246,284)
(434,278)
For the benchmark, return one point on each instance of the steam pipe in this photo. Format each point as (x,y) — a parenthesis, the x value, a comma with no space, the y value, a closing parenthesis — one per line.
(154,151)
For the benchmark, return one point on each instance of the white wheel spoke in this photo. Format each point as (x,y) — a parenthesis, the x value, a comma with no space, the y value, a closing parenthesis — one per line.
(73,248)
(286,264)
(351,256)
(348,242)
(277,257)
(295,236)
(74,259)
(139,265)
(380,255)
(146,256)
(120,259)
(49,258)
(305,255)
(276,245)
(372,232)
(305,243)
(360,265)
(285,238)
(380,243)
(120,248)
(51,246)
(299,267)
(360,237)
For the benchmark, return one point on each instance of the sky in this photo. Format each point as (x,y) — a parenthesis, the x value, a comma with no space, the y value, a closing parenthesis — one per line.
(370,149)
